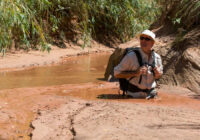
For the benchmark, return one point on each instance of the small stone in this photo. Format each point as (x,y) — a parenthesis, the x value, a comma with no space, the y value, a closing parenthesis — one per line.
(88,104)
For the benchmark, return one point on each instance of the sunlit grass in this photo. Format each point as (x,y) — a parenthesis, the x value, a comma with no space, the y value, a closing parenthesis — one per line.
(31,23)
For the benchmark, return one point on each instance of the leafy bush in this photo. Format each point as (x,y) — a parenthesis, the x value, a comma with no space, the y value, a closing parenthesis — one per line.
(19,23)
(122,18)
(182,13)
(31,23)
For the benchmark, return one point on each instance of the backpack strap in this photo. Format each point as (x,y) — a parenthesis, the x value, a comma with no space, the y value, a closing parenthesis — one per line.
(139,57)
(154,59)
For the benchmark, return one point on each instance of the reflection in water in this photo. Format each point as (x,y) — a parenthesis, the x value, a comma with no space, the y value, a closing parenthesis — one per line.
(80,69)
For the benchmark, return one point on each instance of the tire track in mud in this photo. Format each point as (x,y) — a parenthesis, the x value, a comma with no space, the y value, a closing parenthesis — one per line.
(58,123)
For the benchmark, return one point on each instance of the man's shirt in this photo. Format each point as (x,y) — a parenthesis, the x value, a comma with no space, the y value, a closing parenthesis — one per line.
(130,63)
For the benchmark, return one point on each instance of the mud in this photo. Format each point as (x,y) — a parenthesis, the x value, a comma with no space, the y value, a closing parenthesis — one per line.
(74,111)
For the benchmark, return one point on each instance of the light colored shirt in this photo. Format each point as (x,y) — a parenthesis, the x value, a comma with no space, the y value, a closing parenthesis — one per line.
(130,63)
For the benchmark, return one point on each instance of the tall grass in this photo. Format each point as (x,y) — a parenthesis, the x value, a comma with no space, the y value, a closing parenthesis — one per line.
(124,18)
(20,24)
(32,23)
(182,13)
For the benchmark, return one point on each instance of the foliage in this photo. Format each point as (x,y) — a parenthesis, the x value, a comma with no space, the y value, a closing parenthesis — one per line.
(19,23)
(182,13)
(31,23)
(182,16)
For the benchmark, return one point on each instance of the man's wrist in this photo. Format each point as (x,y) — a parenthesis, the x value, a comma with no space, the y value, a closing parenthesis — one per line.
(137,73)
(157,75)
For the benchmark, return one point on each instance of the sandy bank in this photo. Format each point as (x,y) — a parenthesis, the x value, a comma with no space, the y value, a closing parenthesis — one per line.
(94,111)
(20,60)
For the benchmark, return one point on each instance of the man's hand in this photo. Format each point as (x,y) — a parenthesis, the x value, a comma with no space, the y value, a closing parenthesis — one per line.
(143,70)
(157,73)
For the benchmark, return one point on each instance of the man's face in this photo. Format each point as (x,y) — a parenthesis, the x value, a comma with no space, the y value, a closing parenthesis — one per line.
(146,43)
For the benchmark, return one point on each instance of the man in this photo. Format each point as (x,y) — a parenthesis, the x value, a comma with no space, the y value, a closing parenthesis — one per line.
(141,78)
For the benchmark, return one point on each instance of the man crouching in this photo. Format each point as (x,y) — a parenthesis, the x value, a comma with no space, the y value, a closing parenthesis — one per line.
(141,78)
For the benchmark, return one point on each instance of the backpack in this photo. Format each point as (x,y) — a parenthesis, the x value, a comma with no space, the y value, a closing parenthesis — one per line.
(115,59)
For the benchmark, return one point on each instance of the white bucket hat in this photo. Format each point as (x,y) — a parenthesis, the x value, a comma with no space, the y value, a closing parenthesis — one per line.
(149,33)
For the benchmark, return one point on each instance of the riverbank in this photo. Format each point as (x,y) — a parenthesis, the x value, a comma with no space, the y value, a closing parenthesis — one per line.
(21,60)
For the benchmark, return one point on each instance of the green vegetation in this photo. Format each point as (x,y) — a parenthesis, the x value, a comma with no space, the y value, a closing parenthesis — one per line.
(182,13)
(33,23)
(184,17)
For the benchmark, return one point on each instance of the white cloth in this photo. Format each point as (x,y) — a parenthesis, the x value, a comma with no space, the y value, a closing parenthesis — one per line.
(130,63)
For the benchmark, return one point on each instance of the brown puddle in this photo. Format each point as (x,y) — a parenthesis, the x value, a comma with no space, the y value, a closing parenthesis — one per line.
(78,69)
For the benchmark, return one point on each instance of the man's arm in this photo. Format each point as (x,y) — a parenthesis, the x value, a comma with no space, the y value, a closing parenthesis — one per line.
(127,74)
(130,74)
(158,70)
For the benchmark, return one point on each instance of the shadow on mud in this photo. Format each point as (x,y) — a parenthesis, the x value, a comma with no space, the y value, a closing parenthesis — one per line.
(114,96)
(101,79)
(195,97)
(104,79)
(177,126)
(111,96)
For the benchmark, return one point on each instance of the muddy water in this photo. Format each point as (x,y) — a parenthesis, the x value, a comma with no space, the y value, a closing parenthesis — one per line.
(111,94)
(80,69)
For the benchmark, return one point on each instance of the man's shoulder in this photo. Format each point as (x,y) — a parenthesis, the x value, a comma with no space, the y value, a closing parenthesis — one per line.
(156,55)
(131,51)
(131,55)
